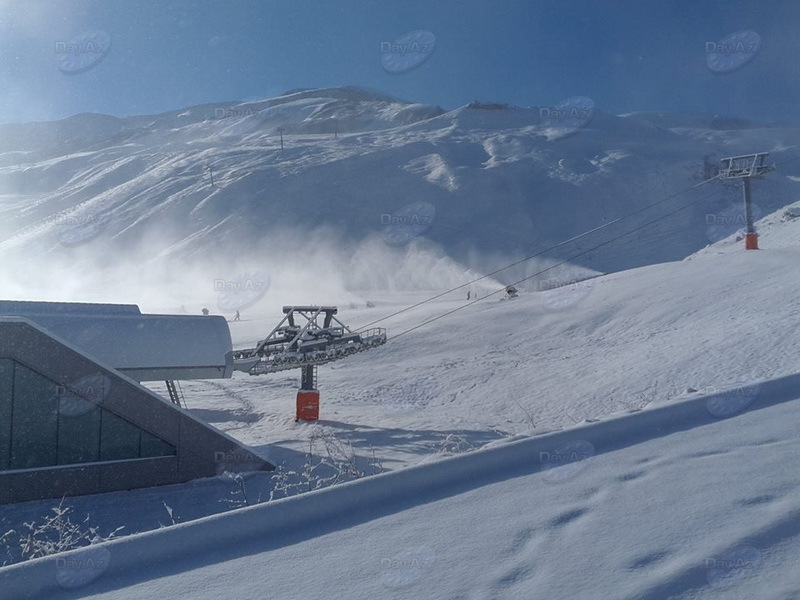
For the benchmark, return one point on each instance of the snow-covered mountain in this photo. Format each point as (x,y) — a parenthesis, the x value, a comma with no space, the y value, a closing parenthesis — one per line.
(96,194)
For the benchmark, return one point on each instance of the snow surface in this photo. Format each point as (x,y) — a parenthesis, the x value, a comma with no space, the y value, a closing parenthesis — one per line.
(675,382)
(679,501)
(660,498)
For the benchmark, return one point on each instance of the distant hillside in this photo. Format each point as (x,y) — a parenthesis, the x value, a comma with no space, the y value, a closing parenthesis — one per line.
(500,182)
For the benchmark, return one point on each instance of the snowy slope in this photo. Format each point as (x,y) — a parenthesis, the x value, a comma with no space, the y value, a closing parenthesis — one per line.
(779,229)
(549,360)
(691,500)
(495,369)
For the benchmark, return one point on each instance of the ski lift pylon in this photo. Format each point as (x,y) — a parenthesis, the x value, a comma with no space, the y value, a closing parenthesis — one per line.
(306,337)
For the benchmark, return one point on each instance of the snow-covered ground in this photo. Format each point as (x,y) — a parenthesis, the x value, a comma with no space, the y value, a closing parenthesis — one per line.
(640,521)
(540,362)
(779,229)
(673,384)
(695,499)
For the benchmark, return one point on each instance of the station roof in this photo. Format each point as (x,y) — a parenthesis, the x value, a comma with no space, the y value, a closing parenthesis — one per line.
(144,347)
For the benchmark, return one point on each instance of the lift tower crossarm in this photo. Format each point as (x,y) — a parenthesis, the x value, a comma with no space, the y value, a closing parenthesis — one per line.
(270,338)
(747,165)
(292,346)
(311,320)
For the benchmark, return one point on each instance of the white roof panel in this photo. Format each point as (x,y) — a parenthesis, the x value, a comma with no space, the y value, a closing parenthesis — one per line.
(145,347)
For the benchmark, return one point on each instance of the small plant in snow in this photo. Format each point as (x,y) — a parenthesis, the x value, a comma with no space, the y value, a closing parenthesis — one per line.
(528,416)
(453,443)
(328,461)
(55,533)
(653,394)
(6,540)
(171,513)
(239,495)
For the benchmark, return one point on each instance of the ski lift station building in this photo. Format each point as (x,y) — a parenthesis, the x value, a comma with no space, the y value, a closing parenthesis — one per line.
(74,418)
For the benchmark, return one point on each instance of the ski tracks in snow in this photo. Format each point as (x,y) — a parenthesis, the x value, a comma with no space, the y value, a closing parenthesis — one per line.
(247,415)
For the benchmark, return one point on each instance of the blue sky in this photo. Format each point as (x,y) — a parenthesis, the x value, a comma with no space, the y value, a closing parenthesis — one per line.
(626,55)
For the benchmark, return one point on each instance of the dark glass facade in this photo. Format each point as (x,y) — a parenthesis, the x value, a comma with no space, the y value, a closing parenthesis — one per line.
(43,424)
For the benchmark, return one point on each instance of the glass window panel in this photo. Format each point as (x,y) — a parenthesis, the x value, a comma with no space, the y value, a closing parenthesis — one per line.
(34,431)
(43,424)
(153,446)
(119,439)
(79,437)
(6,402)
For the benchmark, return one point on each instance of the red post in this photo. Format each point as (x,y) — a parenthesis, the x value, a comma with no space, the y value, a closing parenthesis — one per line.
(750,235)
(307,405)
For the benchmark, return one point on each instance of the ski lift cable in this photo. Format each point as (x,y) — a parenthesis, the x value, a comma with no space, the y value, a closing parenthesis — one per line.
(588,250)
(532,256)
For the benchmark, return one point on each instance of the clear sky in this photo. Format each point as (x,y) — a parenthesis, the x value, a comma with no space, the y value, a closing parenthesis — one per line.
(626,55)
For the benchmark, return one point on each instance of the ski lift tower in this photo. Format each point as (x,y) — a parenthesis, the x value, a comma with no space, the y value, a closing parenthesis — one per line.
(745,168)
(306,337)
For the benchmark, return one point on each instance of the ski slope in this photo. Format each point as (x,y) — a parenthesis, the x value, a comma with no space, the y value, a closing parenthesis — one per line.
(695,499)
(779,229)
(544,361)
(697,476)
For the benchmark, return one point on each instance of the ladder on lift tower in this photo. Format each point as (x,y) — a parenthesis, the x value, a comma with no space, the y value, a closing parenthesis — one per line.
(175,393)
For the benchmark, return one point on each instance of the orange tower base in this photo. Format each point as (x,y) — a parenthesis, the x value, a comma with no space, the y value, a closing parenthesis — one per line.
(751,241)
(307,405)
